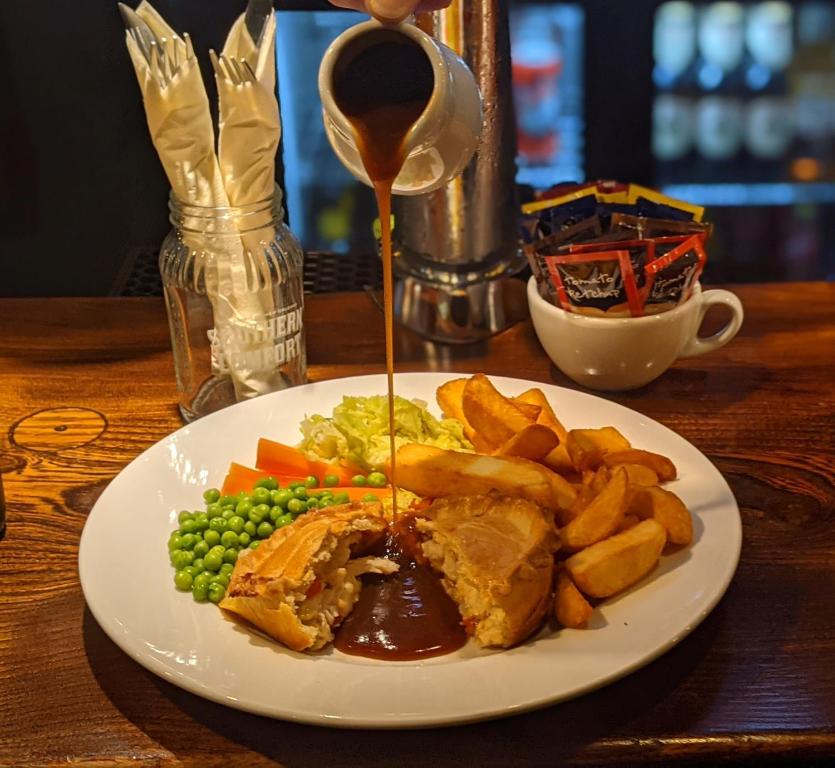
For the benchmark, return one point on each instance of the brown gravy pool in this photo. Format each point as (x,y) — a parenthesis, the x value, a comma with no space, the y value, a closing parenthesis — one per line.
(402,617)
(382,86)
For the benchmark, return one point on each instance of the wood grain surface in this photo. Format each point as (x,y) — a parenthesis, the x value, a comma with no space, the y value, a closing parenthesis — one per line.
(86,385)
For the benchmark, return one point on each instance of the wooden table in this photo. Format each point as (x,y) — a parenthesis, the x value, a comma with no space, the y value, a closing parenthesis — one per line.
(85,385)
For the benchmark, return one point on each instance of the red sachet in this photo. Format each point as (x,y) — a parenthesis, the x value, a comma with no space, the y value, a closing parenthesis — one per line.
(601,283)
(671,275)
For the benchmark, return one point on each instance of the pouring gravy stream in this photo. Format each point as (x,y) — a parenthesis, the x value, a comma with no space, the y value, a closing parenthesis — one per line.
(382,87)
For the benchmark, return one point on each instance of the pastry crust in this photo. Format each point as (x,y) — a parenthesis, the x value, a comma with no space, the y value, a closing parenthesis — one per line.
(303,581)
(496,557)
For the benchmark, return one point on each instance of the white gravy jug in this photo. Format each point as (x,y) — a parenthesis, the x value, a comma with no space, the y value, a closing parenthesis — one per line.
(443,139)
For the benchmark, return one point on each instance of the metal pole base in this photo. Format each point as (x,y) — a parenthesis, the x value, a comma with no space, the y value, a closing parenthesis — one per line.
(459,315)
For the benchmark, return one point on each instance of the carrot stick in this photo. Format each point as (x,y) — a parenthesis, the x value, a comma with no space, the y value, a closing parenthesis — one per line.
(241,478)
(280,460)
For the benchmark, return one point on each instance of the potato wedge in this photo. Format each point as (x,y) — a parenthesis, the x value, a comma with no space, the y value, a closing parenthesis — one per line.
(612,565)
(601,517)
(533,442)
(586,447)
(450,396)
(529,409)
(661,465)
(600,479)
(593,483)
(638,474)
(584,496)
(546,416)
(491,414)
(666,508)
(629,521)
(433,472)
(570,607)
(558,458)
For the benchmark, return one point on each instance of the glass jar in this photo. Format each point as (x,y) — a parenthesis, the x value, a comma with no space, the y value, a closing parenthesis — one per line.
(232,278)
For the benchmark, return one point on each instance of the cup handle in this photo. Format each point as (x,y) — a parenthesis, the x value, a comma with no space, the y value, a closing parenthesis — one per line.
(697,346)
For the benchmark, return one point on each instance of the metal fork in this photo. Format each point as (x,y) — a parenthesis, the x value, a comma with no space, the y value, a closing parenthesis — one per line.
(236,71)
(167,57)
(141,33)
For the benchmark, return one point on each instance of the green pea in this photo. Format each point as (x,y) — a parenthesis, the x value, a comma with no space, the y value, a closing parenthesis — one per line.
(228,512)
(230,555)
(300,492)
(189,570)
(270,483)
(331,480)
(359,480)
(188,540)
(201,548)
(214,510)
(200,594)
(211,495)
(326,502)
(377,480)
(201,521)
(341,498)
(281,498)
(199,565)
(293,484)
(174,541)
(244,539)
(311,481)
(211,537)
(244,496)
(216,592)
(188,526)
(217,524)
(181,558)
(213,561)
(243,508)
(250,527)
(236,523)
(202,579)
(219,550)
(370,497)
(265,530)
(260,496)
(183,516)
(226,569)
(183,580)
(312,504)
(255,544)
(257,514)
(281,521)
(229,539)
(275,513)
(296,506)
(228,501)
(220,579)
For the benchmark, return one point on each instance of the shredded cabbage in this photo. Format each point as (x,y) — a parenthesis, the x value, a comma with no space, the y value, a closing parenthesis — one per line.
(358,430)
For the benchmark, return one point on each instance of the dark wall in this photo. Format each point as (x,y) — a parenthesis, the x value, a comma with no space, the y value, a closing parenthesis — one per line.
(81,188)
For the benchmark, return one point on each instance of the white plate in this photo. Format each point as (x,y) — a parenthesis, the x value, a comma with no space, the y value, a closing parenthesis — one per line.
(128,583)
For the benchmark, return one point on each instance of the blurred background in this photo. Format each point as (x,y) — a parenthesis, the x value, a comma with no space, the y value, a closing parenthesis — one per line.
(726,104)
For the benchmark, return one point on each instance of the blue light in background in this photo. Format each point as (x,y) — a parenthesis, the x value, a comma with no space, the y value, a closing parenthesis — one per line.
(301,40)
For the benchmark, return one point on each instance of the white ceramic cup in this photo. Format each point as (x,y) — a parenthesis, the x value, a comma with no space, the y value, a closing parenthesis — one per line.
(618,353)
(444,138)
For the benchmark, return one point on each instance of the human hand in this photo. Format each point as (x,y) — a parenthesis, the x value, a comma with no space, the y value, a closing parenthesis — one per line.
(392,10)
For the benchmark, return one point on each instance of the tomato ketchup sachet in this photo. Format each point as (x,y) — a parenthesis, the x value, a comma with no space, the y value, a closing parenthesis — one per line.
(612,249)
